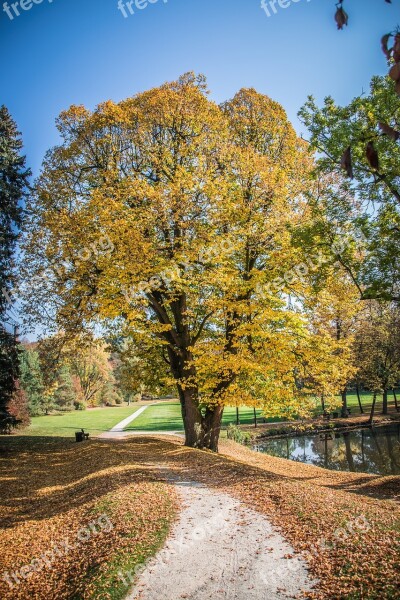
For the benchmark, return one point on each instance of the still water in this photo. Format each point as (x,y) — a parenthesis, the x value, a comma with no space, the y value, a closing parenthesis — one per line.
(372,450)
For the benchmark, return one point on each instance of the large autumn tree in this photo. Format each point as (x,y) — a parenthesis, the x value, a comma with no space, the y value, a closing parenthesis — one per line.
(166,217)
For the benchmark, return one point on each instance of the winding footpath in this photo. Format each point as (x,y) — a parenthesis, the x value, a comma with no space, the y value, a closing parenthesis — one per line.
(219,548)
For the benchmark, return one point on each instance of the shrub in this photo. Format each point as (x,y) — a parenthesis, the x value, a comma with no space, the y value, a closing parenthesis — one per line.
(236,434)
(79,405)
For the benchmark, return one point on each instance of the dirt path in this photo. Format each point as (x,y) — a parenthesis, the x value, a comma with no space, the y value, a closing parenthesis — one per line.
(221,549)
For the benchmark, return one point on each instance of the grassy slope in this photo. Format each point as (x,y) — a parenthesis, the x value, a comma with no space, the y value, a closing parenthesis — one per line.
(94,421)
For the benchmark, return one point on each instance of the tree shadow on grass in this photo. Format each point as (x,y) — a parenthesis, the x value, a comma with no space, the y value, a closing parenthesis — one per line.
(45,477)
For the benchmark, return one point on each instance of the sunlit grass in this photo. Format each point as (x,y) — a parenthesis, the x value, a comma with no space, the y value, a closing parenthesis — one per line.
(93,420)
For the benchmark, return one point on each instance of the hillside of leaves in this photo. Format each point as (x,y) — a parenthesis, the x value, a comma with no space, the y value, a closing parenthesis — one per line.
(53,488)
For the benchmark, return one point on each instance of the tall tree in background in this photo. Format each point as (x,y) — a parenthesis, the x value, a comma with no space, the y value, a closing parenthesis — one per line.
(377,348)
(361,140)
(32,379)
(13,185)
(333,311)
(64,395)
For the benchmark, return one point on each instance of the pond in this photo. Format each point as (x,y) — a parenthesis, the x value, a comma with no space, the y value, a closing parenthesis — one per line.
(369,450)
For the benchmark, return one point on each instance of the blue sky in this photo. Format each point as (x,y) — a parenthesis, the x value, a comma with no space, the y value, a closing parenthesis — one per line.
(84,51)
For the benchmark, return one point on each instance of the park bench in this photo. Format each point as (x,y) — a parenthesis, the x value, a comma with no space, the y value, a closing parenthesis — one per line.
(81,436)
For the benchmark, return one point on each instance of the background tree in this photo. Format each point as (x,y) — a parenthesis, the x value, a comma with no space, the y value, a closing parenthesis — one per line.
(18,406)
(141,368)
(32,379)
(64,392)
(377,349)
(48,399)
(333,311)
(361,140)
(92,368)
(13,184)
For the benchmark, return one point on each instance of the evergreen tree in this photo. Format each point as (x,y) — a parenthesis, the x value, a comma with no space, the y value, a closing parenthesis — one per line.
(13,185)
(32,380)
(64,395)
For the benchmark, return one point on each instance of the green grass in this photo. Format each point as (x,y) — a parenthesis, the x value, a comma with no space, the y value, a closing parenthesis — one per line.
(107,582)
(366,402)
(92,420)
(166,416)
(162,417)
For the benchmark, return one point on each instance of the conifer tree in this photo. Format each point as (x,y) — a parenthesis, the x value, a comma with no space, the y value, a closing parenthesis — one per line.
(13,186)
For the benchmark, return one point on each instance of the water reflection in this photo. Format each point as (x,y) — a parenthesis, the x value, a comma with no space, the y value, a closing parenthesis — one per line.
(372,450)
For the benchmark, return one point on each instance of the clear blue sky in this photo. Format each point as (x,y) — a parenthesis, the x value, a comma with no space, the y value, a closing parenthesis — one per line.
(85,51)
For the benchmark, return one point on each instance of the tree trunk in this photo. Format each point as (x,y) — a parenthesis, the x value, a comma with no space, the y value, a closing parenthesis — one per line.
(385,402)
(237,416)
(359,400)
(191,416)
(395,400)
(200,432)
(255,417)
(212,427)
(344,403)
(371,416)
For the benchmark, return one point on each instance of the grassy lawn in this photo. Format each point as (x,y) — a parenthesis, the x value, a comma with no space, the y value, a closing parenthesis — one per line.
(167,417)
(93,420)
(366,401)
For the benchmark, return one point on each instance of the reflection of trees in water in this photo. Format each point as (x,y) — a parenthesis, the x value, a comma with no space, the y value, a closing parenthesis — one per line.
(366,450)
(282,448)
(394,456)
